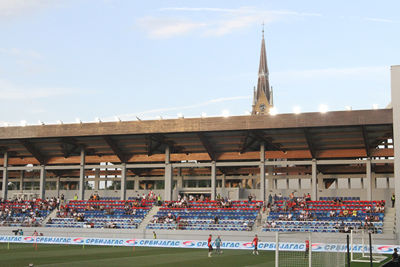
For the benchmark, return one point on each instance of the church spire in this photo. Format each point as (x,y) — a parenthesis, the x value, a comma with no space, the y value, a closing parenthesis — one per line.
(263,99)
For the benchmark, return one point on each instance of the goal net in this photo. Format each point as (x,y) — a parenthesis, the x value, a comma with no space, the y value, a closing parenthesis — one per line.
(291,250)
(362,245)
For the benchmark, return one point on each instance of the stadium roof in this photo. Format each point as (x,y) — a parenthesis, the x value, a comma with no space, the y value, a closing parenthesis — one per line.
(333,135)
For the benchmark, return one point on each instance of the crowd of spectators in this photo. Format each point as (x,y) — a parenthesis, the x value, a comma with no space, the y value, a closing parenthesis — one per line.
(300,209)
(26,212)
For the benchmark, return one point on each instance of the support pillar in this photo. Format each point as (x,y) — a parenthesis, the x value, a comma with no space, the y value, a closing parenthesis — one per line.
(369,179)
(262,172)
(123,181)
(223,181)
(168,175)
(5,176)
(136,184)
(96,179)
(81,195)
(58,186)
(314,188)
(42,182)
(395,87)
(21,180)
(270,170)
(213,181)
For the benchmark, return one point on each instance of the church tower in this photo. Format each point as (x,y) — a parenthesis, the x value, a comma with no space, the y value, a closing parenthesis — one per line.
(263,97)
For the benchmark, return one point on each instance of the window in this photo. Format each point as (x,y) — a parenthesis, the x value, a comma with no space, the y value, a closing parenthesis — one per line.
(130,184)
(13,185)
(159,184)
(51,186)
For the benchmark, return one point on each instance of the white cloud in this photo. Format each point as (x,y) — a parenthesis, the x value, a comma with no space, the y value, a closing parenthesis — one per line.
(160,28)
(221,21)
(9,8)
(21,53)
(160,111)
(382,20)
(190,9)
(368,72)
(11,91)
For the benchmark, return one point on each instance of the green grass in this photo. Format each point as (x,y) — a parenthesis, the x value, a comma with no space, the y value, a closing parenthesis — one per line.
(73,255)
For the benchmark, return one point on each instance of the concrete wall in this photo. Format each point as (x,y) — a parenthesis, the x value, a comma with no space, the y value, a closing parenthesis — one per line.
(233,193)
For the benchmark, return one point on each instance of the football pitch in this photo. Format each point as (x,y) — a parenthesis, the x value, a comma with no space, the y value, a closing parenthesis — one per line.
(73,255)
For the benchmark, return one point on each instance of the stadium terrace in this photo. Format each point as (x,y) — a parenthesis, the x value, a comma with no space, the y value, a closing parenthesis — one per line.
(235,176)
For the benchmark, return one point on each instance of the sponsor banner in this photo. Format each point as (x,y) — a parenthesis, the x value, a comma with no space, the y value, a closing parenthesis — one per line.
(169,243)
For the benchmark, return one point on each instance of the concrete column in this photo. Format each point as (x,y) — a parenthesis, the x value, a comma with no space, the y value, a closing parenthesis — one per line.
(314,187)
(223,181)
(42,182)
(58,186)
(262,172)
(96,179)
(213,181)
(21,180)
(136,184)
(168,175)
(269,178)
(374,182)
(369,179)
(81,195)
(123,181)
(179,182)
(320,182)
(395,85)
(348,183)
(5,176)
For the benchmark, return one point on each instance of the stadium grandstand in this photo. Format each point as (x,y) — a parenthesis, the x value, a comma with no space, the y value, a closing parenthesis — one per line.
(235,176)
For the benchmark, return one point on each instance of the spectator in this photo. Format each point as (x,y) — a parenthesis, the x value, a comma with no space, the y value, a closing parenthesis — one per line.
(394,261)
(393,200)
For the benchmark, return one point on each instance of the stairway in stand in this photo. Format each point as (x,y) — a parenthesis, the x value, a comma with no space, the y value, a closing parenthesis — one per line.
(389,220)
(153,211)
(52,215)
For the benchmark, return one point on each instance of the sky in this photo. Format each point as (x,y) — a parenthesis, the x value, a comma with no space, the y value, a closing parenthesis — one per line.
(89,60)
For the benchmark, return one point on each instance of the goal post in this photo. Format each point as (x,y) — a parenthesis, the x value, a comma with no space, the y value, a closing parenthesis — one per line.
(291,250)
(361,247)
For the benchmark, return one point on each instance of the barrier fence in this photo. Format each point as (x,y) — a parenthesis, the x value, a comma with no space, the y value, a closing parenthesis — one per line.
(169,243)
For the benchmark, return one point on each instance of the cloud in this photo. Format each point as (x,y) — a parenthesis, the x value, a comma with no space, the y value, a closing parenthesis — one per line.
(160,28)
(27,59)
(382,20)
(368,72)
(159,111)
(201,9)
(211,21)
(21,53)
(10,8)
(11,91)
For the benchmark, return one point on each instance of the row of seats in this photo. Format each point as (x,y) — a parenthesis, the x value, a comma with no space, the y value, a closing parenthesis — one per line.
(18,213)
(341,198)
(199,215)
(102,214)
(317,216)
